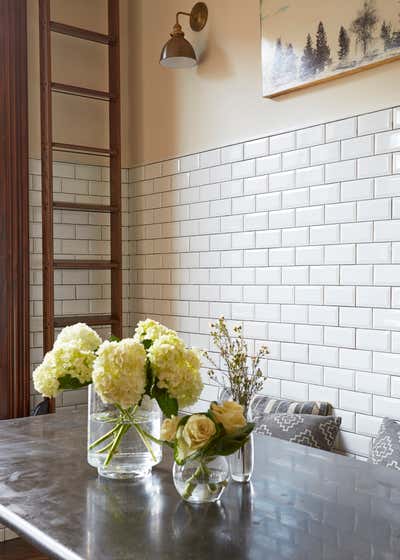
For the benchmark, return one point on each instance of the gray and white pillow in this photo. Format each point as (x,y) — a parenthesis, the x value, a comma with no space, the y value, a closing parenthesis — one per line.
(307,429)
(385,449)
(268,405)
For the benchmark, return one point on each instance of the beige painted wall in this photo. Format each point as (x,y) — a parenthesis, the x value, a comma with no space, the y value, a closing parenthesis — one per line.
(77,62)
(220,102)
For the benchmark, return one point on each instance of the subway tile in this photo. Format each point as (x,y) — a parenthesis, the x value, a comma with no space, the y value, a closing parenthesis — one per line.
(256,148)
(325,153)
(340,378)
(356,275)
(362,189)
(356,233)
(308,255)
(387,230)
(343,337)
(294,198)
(375,253)
(295,275)
(310,176)
(374,122)
(210,158)
(387,186)
(310,136)
(282,332)
(268,312)
(293,237)
(384,362)
(325,194)
(242,169)
(355,359)
(282,142)
(268,201)
(307,373)
(358,147)
(282,181)
(309,334)
(323,315)
(231,189)
(367,424)
(324,275)
(339,295)
(358,402)
(258,221)
(386,407)
(340,254)
(296,159)
(281,219)
(281,294)
(339,213)
(231,154)
(339,130)
(280,370)
(310,216)
(387,275)
(256,257)
(374,166)
(324,355)
(354,317)
(199,177)
(387,142)
(268,238)
(312,295)
(244,204)
(268,164)
(294,314)
(374,210)
(323,235)
(220,173)
(294,390)
(282,257)
(256,185)
(243,240)
(294,352)
(190,163)
(368,339)
(386,319)
(341,171)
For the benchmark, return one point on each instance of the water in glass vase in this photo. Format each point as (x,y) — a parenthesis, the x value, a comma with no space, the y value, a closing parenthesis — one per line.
(134,458)
(200,482)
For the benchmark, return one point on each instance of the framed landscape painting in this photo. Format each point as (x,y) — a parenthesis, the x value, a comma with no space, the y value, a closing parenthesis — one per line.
(305,42)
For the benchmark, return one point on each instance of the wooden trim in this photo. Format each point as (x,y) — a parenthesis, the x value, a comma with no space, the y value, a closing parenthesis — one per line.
(78,149)
(47,177)
(79,33)
(85,264)
(115,163)
(68,89)
(14,224)
(334,77)
(82,207)
(92,320)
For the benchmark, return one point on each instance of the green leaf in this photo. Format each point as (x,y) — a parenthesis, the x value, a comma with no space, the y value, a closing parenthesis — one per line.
(149,378)
(168,405)
(114,338)
(147,343)
(230,443)
(68,382)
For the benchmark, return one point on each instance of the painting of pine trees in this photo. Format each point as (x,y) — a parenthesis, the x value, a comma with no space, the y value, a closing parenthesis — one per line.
(309,41)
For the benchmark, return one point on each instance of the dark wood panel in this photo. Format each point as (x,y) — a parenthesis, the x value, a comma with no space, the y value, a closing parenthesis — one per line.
(78,149)
(17,549)
(80,91)
(85,265)
(115,163)
(14,227)
(91,320)
(83,207)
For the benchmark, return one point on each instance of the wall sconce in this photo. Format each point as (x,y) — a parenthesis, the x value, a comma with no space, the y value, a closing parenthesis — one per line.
(178,52)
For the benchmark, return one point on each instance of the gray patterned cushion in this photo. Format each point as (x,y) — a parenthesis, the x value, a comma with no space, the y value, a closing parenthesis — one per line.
(386,447)
(268,405)
(306,429)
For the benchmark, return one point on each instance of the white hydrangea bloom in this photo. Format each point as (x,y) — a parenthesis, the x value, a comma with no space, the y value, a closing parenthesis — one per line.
(177,369)
(80,334)
(151,330)
(45,378)
(119,375)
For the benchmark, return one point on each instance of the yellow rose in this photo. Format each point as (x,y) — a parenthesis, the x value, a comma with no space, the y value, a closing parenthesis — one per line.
(230,415)
(169,427)
(198,431)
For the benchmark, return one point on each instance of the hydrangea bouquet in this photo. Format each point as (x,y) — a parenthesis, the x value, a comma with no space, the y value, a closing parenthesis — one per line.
(154,363)
(198,441)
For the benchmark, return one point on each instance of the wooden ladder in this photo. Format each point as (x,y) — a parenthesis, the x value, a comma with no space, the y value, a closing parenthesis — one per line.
(48,145)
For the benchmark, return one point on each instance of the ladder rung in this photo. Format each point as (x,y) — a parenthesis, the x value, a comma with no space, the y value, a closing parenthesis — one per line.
(84,264)
(77,149)
(80,33)
(80,207)
(92,320)
(80,91)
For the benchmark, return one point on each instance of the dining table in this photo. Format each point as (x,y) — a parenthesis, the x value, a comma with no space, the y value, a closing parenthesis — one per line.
(300,504)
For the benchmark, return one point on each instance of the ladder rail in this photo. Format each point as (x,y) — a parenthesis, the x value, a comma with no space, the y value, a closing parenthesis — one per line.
(48,146)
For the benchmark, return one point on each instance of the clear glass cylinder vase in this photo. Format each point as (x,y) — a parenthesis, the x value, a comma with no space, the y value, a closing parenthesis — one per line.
(201,481)
(136,455)
(241,463)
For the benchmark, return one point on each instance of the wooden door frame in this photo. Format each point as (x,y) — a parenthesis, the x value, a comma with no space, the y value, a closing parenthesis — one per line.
(14,212)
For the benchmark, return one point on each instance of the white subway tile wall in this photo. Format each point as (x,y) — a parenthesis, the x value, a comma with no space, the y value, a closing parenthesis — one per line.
(296,237)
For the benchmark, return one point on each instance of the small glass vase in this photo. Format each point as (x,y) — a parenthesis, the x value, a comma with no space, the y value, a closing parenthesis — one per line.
(136,455)
(201,481)
(241,463)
